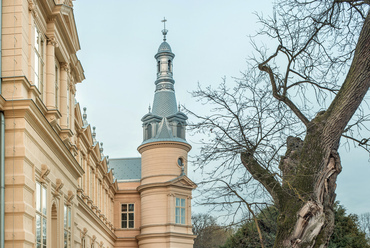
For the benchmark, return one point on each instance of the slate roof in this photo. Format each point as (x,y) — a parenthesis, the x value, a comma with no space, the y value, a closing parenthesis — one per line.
(164,133)
(164,103)
(164,47)
(126,169)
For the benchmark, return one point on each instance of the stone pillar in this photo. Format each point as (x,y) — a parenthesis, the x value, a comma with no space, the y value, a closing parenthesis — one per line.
(188,214)
(63,94)
(50,73)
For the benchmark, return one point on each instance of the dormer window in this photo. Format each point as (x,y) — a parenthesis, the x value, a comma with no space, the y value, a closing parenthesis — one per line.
(149,128)
(179,130)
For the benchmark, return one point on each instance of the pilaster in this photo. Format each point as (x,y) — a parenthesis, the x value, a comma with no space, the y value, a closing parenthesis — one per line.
(63,94)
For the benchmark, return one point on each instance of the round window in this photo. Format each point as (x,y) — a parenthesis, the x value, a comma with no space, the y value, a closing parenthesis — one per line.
(180,162)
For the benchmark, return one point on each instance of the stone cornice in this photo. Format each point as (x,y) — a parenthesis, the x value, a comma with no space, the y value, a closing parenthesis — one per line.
(173,144)
(28,109)
(166,234)
(173,183)
(99,221)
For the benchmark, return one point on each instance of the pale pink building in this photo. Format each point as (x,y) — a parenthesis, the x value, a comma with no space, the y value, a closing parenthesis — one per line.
(58,190)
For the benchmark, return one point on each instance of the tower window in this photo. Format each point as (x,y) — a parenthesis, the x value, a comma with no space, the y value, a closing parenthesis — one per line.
(158,66)
(180,211)
(169,66)
(149,131)
(180,162)
(179,130)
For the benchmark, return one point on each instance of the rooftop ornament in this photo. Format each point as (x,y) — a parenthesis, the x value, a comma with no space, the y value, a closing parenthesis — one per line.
(164,31)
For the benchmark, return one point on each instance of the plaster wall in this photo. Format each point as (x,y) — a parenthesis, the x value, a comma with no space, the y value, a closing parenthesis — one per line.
(159,161)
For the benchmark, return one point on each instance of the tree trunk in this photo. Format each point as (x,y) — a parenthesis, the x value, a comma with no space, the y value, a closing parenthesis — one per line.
(306,195)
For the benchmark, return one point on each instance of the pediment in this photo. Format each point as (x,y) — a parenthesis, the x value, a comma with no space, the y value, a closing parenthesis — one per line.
(89,135)
(183,182)
(67,19)
(78,115)
(110,176)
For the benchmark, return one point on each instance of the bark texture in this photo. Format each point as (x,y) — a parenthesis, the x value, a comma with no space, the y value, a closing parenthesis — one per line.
(305,196)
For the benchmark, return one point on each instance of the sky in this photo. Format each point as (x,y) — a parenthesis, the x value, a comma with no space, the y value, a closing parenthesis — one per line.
(210,39)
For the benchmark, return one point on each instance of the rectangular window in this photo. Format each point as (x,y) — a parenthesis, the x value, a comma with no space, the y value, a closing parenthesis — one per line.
(39,61)
(92,183)
(41,220)
(127,216)
(180,211)
(67,227)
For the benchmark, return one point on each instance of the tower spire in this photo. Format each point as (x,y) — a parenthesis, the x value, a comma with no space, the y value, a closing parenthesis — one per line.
(164,31)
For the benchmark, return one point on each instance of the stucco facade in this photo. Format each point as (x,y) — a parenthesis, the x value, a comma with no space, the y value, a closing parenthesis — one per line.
(60,189)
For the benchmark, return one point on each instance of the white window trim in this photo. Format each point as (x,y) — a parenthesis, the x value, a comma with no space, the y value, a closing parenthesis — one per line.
(128,214)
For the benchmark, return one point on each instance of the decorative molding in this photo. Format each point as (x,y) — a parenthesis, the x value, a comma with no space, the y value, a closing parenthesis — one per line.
(32,8)
(52,18)
(45,170)
(84,232)
(58,186)
(52,41)
(65,66)
(70,197)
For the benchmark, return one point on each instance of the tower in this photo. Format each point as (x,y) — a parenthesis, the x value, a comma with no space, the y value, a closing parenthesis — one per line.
(165,189)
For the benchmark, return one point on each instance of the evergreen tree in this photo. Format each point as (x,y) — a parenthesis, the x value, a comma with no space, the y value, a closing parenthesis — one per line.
(347,233)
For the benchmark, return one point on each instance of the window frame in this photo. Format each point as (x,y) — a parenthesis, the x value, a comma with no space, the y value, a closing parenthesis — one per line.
(128,212)
(67,227)
(180,210)
(39,60)
(41,214)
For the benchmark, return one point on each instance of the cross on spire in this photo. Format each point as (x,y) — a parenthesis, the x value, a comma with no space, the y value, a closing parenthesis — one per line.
(164,31)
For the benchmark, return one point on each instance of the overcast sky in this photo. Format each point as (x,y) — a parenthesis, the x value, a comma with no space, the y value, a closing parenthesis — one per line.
(119,39)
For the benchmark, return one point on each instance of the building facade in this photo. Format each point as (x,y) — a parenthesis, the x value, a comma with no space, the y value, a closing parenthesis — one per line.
(57,187)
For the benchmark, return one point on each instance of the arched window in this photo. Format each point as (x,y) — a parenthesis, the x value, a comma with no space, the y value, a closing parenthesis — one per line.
(179,130)
(54,224)
(158,66)
(149,131)
(83,242)
(169,66)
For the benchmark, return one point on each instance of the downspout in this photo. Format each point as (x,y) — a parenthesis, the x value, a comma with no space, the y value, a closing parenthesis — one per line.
(2,146)
(2,179)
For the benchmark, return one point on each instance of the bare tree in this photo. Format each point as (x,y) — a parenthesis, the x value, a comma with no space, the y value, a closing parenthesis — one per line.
(364,220)
(209,233)
(270,110)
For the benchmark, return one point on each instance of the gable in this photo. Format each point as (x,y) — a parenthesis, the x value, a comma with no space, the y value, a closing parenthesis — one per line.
(183,182)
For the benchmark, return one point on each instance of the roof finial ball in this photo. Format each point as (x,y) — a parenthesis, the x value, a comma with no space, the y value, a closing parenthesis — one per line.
(164,31)
(84,116)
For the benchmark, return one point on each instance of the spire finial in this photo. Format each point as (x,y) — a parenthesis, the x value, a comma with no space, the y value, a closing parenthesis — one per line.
(149,108)
(164,31)
(84,117)
(179,107)
(94,135)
